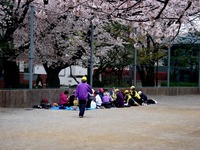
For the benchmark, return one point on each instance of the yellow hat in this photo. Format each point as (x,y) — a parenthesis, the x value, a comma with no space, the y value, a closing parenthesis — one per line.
(132,87)
(84,78)
(126,91)
(116,90)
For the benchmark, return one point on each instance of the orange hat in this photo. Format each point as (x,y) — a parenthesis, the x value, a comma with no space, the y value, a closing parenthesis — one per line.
(55,104)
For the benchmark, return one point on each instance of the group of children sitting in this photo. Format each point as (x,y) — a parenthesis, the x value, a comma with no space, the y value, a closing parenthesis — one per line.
(107,99)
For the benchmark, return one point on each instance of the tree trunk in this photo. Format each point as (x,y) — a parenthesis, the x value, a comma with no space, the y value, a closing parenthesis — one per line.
(146,75)
(142,73)
(150,77)
(120,79)
(53,80)
(11,74)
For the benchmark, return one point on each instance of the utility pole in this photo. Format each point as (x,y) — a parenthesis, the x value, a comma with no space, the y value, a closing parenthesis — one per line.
(199,70)
(91,50)
(168,65)
(31,48)
(135,60)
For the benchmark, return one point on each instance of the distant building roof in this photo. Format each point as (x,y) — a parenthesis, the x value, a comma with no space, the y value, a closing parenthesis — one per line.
(190,38)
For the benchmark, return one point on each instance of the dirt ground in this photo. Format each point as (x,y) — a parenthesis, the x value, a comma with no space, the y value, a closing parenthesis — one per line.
(172,124)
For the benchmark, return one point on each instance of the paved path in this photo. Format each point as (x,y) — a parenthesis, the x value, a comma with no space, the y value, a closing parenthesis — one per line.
(172,124)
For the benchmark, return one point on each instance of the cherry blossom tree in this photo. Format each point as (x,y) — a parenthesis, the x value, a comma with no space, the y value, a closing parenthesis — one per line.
(12,14)
(145,14)
(162,19)
(62,40)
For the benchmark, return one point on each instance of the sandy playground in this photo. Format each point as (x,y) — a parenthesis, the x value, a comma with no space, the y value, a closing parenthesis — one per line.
(172,124)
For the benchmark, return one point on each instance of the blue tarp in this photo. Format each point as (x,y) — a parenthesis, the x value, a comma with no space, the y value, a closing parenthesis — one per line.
(67,108)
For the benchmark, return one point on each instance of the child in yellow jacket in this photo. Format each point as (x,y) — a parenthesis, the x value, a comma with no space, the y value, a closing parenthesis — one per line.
(129,101)
(134,94)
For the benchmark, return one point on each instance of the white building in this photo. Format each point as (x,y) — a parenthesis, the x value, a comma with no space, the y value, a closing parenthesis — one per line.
(64,75)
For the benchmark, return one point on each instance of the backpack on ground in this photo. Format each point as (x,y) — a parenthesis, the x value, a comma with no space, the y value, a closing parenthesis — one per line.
(45,104)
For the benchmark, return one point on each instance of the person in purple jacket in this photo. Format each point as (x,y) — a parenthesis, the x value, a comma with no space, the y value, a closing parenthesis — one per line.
(106,101)
(82,91)
(120,98)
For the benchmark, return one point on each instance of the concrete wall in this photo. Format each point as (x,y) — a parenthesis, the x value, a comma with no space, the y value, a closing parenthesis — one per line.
(172,91)
(28,98)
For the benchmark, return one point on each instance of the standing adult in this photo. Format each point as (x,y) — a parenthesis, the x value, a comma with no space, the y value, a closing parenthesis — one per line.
(82,91)
(39,82)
